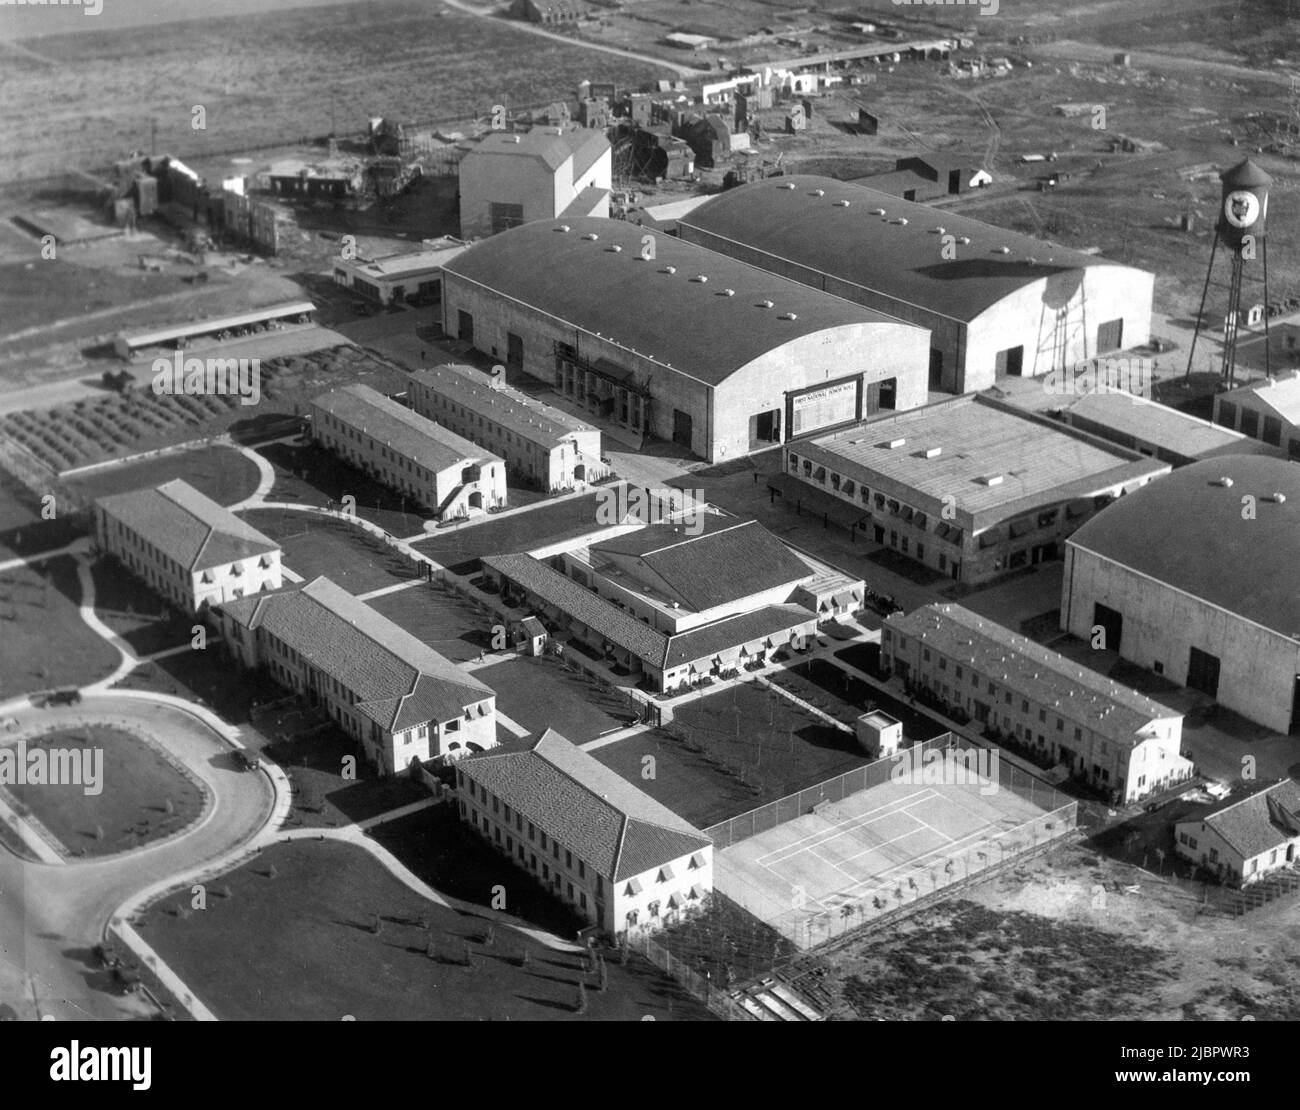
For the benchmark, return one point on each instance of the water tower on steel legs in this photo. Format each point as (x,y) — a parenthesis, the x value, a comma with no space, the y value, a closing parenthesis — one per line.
(1243,213)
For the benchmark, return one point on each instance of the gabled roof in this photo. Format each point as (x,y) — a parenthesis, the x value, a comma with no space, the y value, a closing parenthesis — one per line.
(409,434)
(771,622)
(187,526)
(570,270)
(608,822)
(1268,817)
(532,420)
(803,219)
(1018,664)
(1282,395)
(718,567)
(554,588)
(1126,415)
(399,681)
(1245,567)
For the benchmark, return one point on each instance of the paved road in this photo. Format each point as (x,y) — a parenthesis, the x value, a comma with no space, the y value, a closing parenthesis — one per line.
(50,916)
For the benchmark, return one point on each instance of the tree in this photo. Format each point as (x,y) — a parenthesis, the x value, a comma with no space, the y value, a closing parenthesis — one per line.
(603,981)
(581,1006)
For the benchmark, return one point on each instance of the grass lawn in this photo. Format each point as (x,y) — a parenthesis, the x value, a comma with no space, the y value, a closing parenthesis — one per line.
(221,473)
(845,696)
(144,797)
(445,621)
(46,643)
(307,475)
(209,678)
(135,612)
(459,547)
(684,780)
(22,531)
(542,693)
(290,936)
(313,545)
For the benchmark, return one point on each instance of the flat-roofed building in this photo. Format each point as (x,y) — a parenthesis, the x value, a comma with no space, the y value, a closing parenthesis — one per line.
(970,486)
(510,178)
(616,857)
(404,276)
(680,608)
(433,465)
(190,550)
(394,695)
(1244,838)
(1266,411)
(997,303)
(661,338)
(544,446)
(1116,740)
(1195,579)
(1156,430)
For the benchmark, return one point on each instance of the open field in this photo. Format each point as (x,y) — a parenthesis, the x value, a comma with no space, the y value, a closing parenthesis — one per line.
(313,545)
(542,693)
(132,610)
(221,473)
(314,931)
(46,643)
(22,531)
(443,620)
(276,92)
(460,547)
(143,796)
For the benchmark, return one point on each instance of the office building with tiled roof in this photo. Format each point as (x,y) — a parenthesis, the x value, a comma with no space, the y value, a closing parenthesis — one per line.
(969,486)
(1195,578)
(190,550)
(1117,740)
(1244,838)
(390,692)
(435,467)
(677,607)
(543,446)
(615,856)
(660,338)
(996,303)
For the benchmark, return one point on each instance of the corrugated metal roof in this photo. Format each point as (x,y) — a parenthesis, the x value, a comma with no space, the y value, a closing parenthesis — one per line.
(1187,530)
(646,306)
(803,219)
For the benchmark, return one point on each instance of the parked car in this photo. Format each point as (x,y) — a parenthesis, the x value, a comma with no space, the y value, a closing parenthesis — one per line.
(246,760)
(63,697)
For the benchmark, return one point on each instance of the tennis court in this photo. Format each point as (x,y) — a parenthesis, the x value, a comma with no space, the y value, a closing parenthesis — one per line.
(873,851)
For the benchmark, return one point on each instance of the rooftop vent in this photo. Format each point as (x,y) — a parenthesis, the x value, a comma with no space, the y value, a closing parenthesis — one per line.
(938,230)
(763,304)
(514,138)
(901,221)
(878,212)
(818,193)
(592,236)
(726,292)
(842,203)
(1001,250)
(1031,260)
(933,452)
(701,278)
(564,228)
(992,479)
(1277,497)
(1225,482)
(615,248)
(964,240)
(787,185)
(789,316)
(895,444)
(668,270)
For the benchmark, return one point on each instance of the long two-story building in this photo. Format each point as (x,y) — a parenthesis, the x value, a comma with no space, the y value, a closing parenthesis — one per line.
(619,859)
(433,465)
(396,696)
(541,444)
(190,550)
(1117,740)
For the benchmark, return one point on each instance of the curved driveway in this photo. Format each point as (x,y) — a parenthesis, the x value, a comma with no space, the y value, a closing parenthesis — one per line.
(50,915)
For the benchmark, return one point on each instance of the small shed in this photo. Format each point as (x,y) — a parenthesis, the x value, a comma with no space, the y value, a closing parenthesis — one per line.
(879,734)
(532,636)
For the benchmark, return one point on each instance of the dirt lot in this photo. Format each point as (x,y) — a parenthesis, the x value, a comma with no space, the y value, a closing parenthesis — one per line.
(1061,940)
